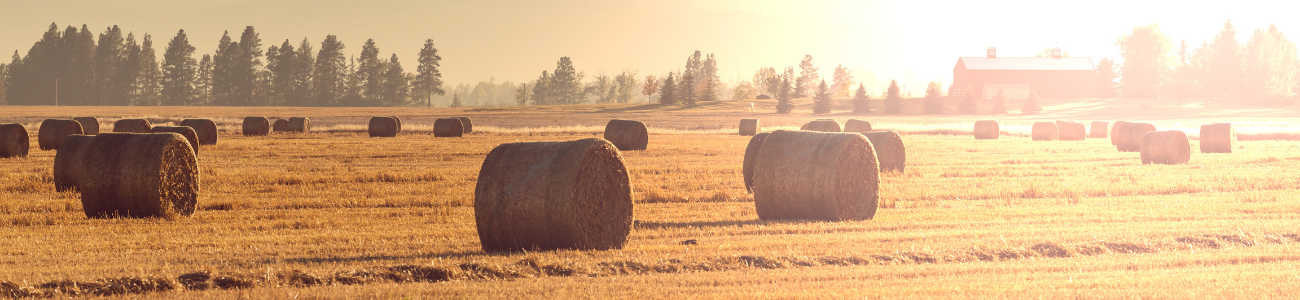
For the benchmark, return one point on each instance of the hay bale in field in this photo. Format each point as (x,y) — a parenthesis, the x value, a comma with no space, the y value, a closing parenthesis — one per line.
(384,127)
(1166,147)
(205,128)
(1098,130)
(553,195)
(889,149)
(448,127)
(52,131)
(280,126)
(14,141)
(185,131)
(89,125)
(815,175)
(859,126)
(987,130)
(822,125)
(69,161)
(747,167)
(132,126)
(627,135)
(139,175)
(256,126)
(1128,136)
(749,127)
(399,123)
(1071,131)
(300,124)
(467,123)
(1114,131)
(1044,131)
(1217,138)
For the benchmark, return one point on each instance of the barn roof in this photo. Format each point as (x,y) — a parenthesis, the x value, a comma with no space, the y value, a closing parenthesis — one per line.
(1028,63)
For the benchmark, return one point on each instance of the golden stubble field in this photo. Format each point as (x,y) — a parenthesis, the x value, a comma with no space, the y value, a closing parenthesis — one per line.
(335,214)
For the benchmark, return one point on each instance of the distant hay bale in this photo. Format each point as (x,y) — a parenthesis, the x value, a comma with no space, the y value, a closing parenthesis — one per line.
(132,126)
(1071,131)
(1098,130)
(987,130)
(1114,131)
(859,126)
(448,127)
(822,125)
(1044,131)
(1166,147)
(14,141)
(300,124)
(384,127)
(627,135)
(188,132)
(467,123)
(1129,135)
(751,151)
(69,161)
(89,125)
(205,128)
(52,131)
(256,126)
(815,176)
(1217,138)
(139,175)
(553,195)
(890,152)
(280,126)
(749,127)
(399,123)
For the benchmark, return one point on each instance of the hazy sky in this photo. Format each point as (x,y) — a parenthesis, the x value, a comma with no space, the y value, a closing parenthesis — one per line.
(914,41)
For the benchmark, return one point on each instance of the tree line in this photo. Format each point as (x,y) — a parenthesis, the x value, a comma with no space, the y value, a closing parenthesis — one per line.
(1264,68)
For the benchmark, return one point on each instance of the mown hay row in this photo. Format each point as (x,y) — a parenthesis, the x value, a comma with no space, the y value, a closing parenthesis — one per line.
(822,125)
(809,175)
(89,125)
(52,132)
(1217,138)
(256,126)
(132,126)
(891,154)
(987,130)
(448,127)
(14,141)
(1045,131)
(749,127)
(1166,147)
(384,127)
(627,135)
(205,128)
(138,175)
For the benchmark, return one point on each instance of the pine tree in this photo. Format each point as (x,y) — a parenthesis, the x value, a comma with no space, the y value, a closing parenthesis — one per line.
(807,75)
(709,81)
(784,96)
(668,91)
(371,70)
(687,93)
(11,77)
(223,85)
(861,103)
(301,92)
(893,101)
(4,75)
(329,75)
(203,81)
(147,82)
(566,82)
(109,54)
(822,102)
(283,64)
(396,86)
(179,71)
(78,81)
(522,94)
(428,79)
(542,89)
(247,66)
(688,85)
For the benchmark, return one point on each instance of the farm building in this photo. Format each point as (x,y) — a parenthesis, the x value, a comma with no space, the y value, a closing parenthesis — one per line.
(1054,76)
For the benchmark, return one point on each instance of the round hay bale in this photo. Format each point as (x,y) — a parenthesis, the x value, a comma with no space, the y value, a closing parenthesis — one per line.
(1114,131)
(1098,130)
(1217,138)
(448,127)
(399,123)
(384,127)
(185,131)
(747,167)
(627,135)
(822,125)
(1044,131)
(139,175)
(815,176)
(1071,131)
(300,124)
(205,128)
(749,127)
(553,195)
(14,141)
(280,126)
(987,130)
(859,126)
(1129,136)
(89,125)
(256,126)
(469,125)
(52,131)
(1166,147)
(132,126)
(889,149)
(69,161)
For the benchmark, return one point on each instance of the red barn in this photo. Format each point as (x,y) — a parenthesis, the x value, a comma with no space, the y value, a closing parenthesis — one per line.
(1018,77)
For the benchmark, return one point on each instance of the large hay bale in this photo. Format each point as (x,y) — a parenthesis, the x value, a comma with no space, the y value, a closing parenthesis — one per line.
(139,175)
(1217,138)
(467,123)
(815,175)
(889,149)
(300,124)
(280,126)
(399,123)
(185,131)
(89,125)
(1098,130)
(132,126)
(553,195)
(751,151)
(14,141)
(256,126)
(52,131)
(1071,131)
(1129,136)
(448,127)
(822,125)
(749,127)
(69,161)
(205,128)
(1166,147)
(859,126)
(384,127)
(987,130)
(627,135)
(1114,131)
(1044,131)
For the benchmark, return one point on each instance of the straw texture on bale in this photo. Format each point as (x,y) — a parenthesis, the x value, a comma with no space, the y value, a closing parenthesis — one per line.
(859,126)
(749,127)
(627,135)
(89,125)
(1217,138)
(69,161)
(1129,135)
(132,126)
(205,128)
(138,175)
(1071,131)
(190,135)
(280,126)
(987,130)
(751,151)
(1168,147)
(1044,131)
(807,175)
(300,124)
(52,131)
(448,127)
(467,123)
(1114,131)
(14,141)
(256,126)
(553,195)
(823,125)
(384,127)
(889,149)
(1098,130)
(399,123)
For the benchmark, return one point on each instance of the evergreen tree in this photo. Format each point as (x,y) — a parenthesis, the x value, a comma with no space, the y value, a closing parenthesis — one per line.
(688,85)
(301,92)
(709,81)
(566,82)
(522,94)
(179,71)
(807,76)
(667,94)
(109,55)
(822,102)
(148,81)
(329,75)
(77,83)
(687,93)
(4,75)
(396,86)
(223,85)
(11,77)
(542,89)
(247,63)
(784,96)
(861,103)
(203,81)
(281,63)
(371,70)
(428,79)
(893,100)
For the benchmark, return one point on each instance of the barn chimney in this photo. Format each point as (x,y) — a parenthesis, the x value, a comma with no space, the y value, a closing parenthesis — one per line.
(992,52)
